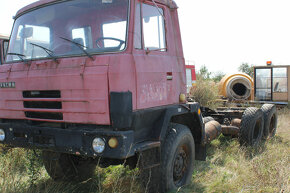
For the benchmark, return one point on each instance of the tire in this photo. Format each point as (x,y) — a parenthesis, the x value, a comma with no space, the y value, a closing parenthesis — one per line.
(66,167)
(177,154)
(179,141)
(252,127)
(270,120)
(207,119)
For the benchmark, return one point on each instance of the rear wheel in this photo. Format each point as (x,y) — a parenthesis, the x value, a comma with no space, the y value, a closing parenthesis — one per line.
(252,126)
(270,120)
(61,166)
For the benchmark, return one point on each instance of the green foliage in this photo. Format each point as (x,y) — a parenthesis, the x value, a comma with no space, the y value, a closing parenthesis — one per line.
(246,68)
(217,76)
(34,165)
(205,92)
(203,73)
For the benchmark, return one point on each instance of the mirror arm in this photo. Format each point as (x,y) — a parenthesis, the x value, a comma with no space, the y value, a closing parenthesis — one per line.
(158,9)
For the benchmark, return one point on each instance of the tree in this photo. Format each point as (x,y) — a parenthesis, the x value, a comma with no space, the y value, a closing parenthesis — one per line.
(203,73)
(218,76)
(246,68)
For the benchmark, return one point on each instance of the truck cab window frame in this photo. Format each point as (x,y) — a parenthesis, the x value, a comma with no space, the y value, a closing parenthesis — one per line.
(280,84)
(152,26)
(5,47)
(64,16)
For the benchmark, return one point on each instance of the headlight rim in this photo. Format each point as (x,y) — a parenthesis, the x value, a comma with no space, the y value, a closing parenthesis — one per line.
(2,135)
(96,145)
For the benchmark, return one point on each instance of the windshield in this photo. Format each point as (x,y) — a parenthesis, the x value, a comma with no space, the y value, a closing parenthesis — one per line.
(79,27)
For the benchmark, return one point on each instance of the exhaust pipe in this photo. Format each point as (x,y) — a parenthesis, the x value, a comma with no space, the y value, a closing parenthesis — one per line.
(213,129)
(230,130)
(233,129)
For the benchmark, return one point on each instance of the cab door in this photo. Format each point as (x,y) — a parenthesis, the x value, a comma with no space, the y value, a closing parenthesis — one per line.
(153,57)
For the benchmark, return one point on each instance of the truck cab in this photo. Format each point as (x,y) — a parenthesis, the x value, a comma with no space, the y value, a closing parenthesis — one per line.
(4,40)
(90,80)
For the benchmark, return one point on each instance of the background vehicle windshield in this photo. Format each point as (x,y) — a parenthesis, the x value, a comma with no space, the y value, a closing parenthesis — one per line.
(70,28)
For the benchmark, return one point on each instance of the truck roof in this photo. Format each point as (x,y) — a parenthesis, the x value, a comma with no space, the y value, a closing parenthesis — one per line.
(170,3)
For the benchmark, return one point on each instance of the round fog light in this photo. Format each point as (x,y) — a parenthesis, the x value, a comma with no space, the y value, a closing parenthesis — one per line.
(98,145)
(2,135)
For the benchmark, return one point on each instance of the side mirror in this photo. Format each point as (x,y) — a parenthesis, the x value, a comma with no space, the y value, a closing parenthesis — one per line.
(26,32)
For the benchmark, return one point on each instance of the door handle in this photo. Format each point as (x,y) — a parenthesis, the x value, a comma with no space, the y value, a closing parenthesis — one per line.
(169,76)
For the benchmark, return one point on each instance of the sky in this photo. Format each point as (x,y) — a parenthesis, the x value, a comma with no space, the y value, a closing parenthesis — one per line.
(220,34)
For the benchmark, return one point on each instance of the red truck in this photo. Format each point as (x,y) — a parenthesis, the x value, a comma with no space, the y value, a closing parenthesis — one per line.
(4,40)
(103,82)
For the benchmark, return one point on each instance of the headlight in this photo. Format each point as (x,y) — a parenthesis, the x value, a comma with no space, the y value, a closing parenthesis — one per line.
(98,145)
(2,135)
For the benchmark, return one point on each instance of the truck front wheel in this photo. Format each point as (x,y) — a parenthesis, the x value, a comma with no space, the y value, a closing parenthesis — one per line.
(177,158)
(61,166)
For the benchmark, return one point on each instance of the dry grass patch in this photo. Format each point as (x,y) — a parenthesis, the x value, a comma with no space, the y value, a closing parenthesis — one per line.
(231,168)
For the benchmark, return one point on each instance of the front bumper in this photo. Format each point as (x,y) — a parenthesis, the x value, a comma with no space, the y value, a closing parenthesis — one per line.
(72,141)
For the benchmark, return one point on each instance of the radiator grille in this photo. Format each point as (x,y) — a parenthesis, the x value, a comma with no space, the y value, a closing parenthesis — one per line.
(37,102)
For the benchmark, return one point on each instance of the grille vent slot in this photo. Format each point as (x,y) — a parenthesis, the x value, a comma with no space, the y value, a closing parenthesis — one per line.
(42,104)
(42,94)
(43,115)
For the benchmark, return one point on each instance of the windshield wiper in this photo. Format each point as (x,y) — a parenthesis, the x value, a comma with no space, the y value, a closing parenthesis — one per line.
(80,46)
(19,56)
(49,52)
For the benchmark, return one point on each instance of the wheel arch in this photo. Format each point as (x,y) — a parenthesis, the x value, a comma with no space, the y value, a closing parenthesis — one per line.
(192,121)
(191,118)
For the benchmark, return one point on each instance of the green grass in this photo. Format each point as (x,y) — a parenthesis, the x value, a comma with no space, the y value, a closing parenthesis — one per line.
(228,168)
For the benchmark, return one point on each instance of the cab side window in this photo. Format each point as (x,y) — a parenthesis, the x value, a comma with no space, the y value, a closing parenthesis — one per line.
(1,55)
(5,47)
(150,20)
(138,28)
(153,28)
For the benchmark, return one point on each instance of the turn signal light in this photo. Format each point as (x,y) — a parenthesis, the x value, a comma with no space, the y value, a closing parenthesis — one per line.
(182,98)
(113,142)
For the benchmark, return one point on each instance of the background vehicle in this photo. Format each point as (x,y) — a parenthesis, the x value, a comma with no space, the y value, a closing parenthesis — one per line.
(103,82)
(190,76)
(272,83)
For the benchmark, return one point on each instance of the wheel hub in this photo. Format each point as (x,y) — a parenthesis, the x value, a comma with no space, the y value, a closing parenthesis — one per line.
(180,165)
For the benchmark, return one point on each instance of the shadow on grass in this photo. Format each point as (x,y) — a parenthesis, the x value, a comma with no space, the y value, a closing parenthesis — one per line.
(105,181)
(50,186)
(252,152)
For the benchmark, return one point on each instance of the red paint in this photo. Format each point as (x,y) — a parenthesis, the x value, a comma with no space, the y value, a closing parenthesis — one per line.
(85,84)
(193,74)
